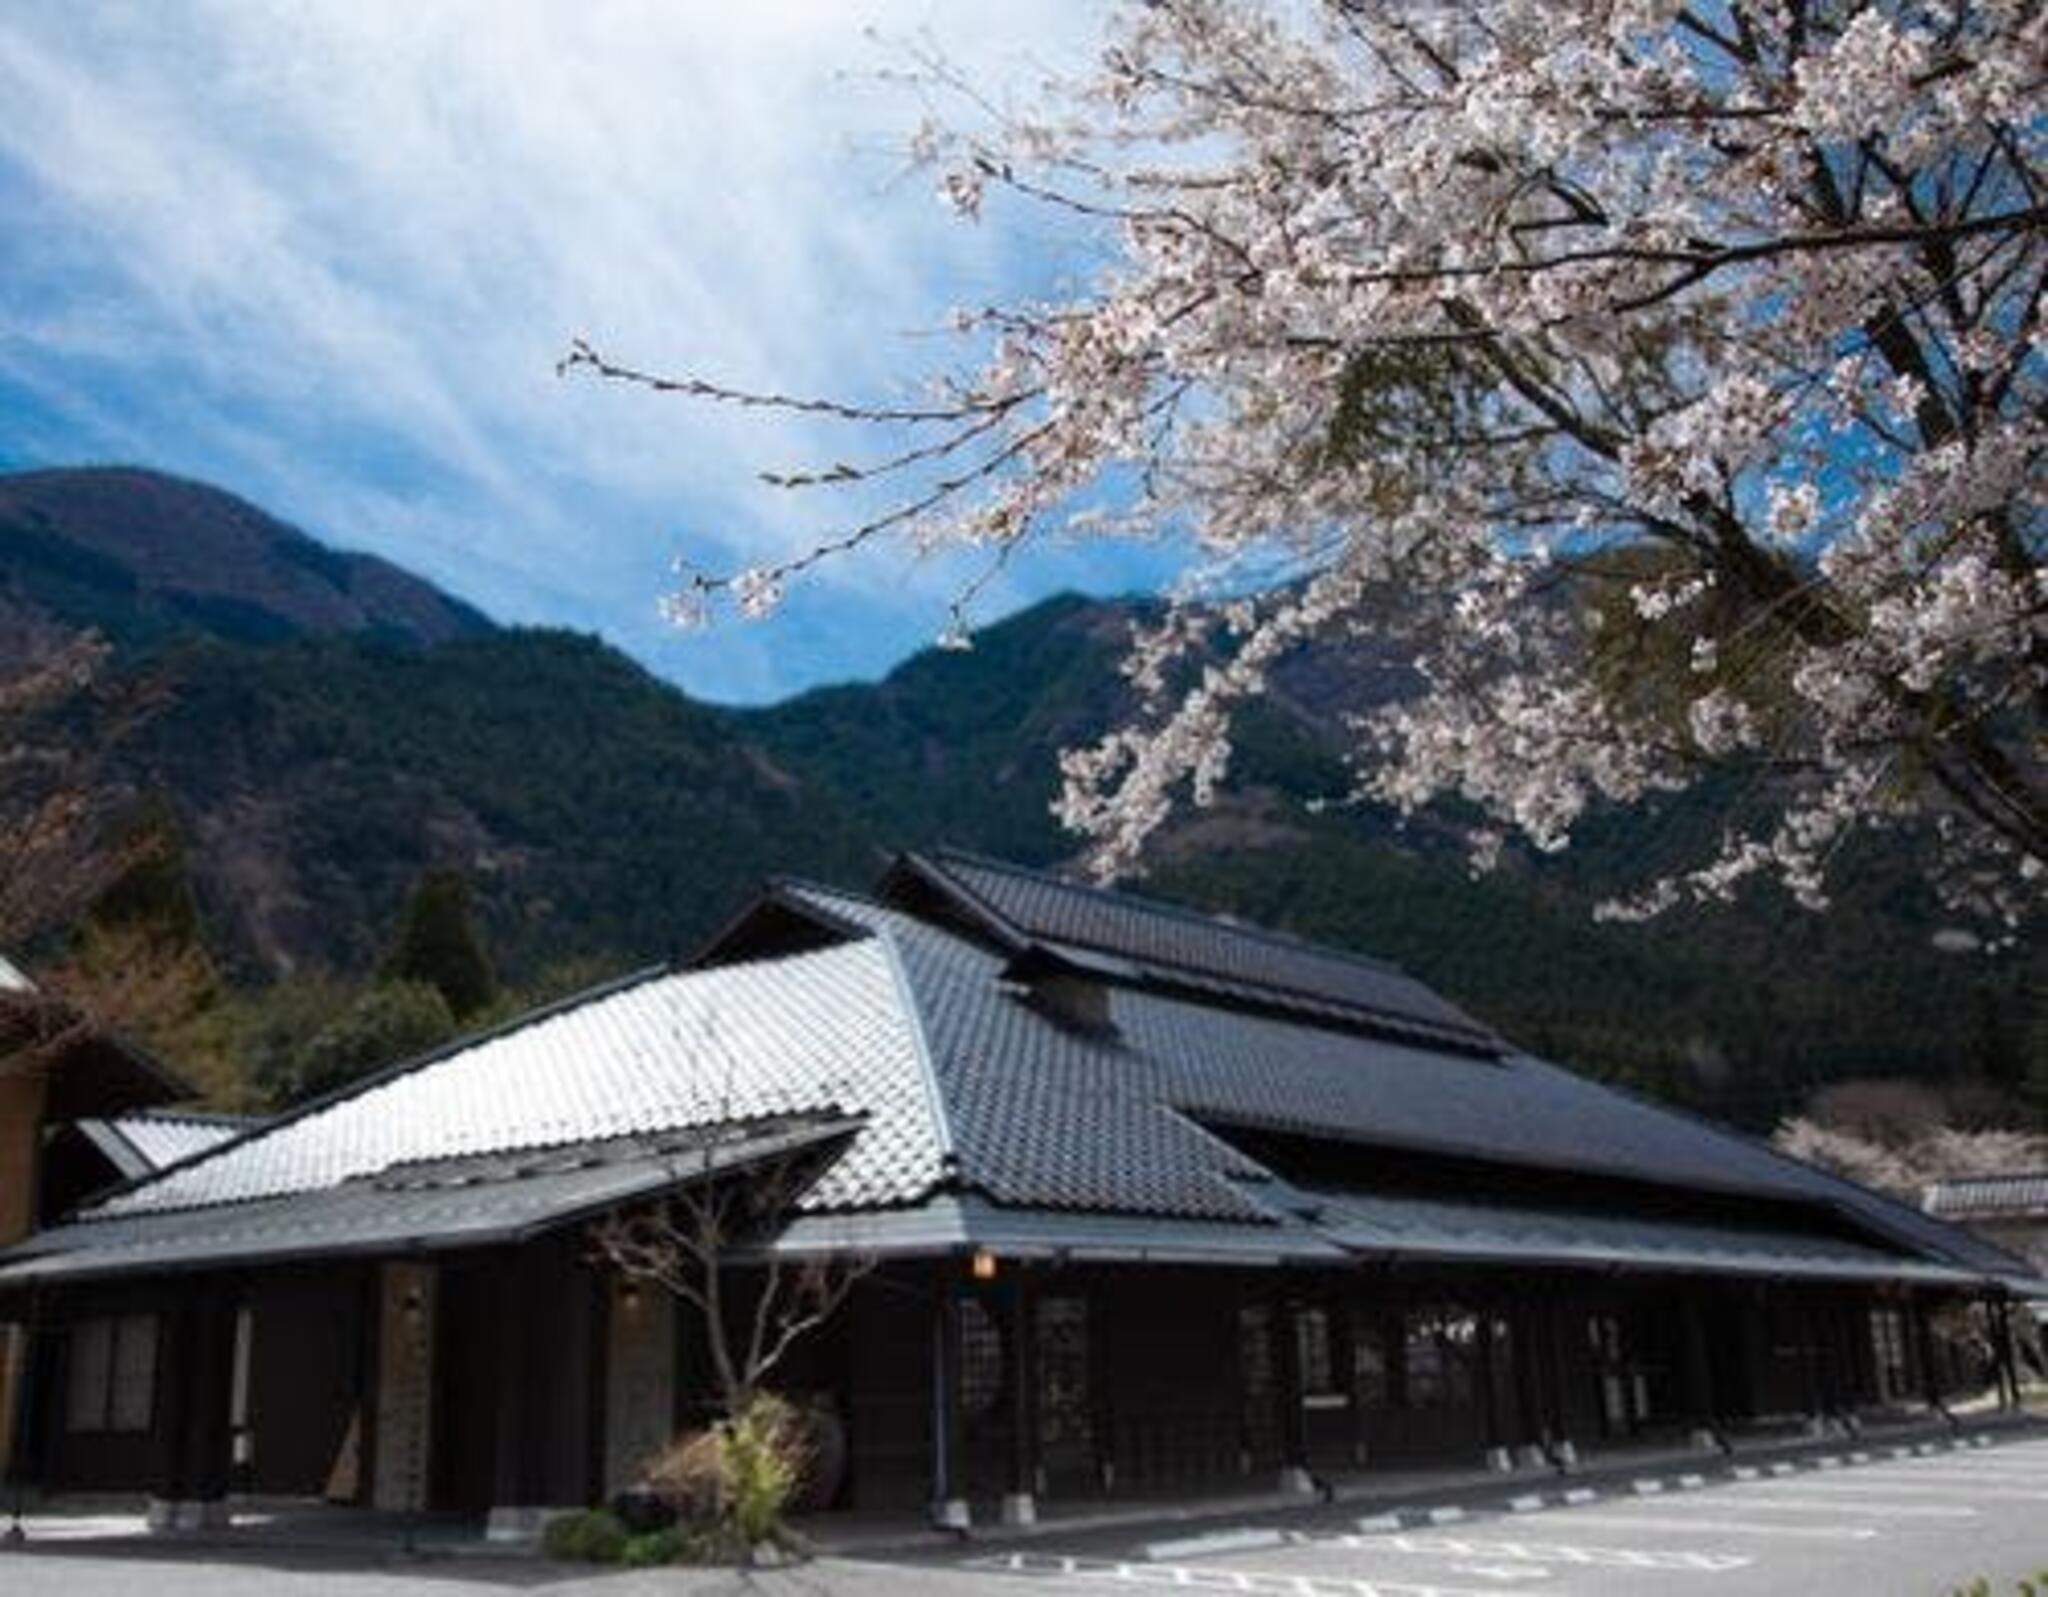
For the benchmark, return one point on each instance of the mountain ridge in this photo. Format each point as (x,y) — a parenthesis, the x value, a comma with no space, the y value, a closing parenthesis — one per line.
(317,769)
(144,555)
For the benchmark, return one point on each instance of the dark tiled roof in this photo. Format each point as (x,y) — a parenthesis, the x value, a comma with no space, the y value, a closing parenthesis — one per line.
(1047,1116)
(2021,1196)
(1407,1226)
(1217,955)
(974,1088)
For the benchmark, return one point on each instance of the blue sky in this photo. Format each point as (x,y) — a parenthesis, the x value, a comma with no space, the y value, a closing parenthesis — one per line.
(326,255)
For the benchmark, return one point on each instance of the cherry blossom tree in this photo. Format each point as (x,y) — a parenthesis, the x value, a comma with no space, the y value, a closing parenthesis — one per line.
(1661,376)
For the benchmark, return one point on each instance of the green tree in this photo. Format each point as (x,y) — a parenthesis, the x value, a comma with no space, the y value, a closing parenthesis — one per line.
(389,1022)
(438,944)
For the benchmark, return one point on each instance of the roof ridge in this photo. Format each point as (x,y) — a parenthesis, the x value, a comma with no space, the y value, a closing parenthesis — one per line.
(935,1094)
(1165,907)
(811,884)
(196,1117)
(2004,1175)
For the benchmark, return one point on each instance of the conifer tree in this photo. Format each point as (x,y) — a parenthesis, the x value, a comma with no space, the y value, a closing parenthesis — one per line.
(438,944)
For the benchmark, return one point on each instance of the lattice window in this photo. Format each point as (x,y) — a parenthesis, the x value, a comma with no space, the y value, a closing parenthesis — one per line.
(1439,1349)
(981,1360)
(1066,1415)
(1372,1372)
(1312,1348)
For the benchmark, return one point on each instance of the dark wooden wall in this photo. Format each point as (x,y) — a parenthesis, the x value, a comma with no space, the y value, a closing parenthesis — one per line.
(1192,1377)
(307,1370)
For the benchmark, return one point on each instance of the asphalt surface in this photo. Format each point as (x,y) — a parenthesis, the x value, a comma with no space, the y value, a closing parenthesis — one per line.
(1860,1520)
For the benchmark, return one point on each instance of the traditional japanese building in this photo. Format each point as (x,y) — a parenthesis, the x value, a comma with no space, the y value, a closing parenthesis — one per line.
(1153,1200)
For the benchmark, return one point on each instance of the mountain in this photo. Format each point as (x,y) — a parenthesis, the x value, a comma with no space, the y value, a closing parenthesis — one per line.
(334,727)
(144,556)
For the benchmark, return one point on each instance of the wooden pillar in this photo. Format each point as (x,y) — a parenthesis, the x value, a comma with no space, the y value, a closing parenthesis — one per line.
(23,1095)
(1020,1502)
(1923,1349)
(2008,1363)
(1699,1369)
(402,1412)
(1525,1377)
(515,1438)
(949,1508)
(23,1465)
(195,1384)
(1489,1395)
(1809,1356)
(1294,1474)
(1560,1374)
(209,1442)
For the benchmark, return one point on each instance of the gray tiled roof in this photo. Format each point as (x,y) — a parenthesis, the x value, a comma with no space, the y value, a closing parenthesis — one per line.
(1406,1226)
(1026,1096)
(1202,949)
(2022,1195)
(971,1090)
(1044,1116)
(153,1139)
(809,1033)
(450,1203)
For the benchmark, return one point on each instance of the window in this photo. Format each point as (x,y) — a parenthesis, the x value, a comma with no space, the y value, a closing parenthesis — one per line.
(1064,1416)
(1371,1377)
(981,1360)
(1437,1354)
(111,1379)
(1312,1348)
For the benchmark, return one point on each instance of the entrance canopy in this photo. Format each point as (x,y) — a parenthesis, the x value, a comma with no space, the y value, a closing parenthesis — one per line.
(472,1201)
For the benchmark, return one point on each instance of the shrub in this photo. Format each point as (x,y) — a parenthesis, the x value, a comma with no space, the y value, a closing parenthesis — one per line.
(655,1547)
(687,1475)
(593,1536)
(763,1459)
(740,1473)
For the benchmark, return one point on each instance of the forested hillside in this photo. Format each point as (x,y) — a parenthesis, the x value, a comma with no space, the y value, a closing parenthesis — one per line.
(321,748)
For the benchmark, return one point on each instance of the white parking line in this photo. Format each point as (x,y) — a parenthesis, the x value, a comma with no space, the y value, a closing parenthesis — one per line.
(1791,1503)
(1571,1553)
(1220,1541)
(1937,1490)
(1726,1527)
(1253,1582)
(1956,1472)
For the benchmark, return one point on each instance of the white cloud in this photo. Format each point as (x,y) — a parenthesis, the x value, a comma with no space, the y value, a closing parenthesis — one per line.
(327,254)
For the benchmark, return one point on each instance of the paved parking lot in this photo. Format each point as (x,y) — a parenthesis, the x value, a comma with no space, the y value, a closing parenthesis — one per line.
(1863,1522)
(1866,1520)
